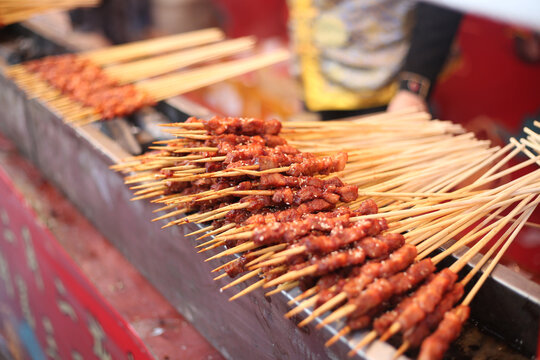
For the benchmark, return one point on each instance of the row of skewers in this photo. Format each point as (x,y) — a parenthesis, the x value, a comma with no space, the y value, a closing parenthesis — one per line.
(120,80)
(353,219)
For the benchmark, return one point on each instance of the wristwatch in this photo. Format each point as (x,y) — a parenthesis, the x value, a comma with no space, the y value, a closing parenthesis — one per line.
(417,84)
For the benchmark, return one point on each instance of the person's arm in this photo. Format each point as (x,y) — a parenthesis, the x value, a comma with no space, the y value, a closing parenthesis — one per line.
(432,37)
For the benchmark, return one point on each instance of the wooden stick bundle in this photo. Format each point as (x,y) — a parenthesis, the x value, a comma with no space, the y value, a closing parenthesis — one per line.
(82,91)
(158,65)
(426,193)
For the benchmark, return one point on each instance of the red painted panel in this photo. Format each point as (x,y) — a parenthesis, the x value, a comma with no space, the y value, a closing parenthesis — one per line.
(262,18)
(47,307)
(488,79)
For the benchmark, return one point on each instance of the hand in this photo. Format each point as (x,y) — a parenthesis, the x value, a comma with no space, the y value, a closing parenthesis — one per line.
(405,99)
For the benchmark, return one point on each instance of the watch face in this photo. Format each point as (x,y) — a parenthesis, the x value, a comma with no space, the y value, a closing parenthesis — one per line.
(414,86)
(414,83)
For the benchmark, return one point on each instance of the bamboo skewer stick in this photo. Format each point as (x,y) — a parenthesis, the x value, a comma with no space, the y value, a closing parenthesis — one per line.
(224,265)
(172,85)
(143,48)
(304,295)
(202,230)
(302,306)
(247,290)
(344,331)
(330,304)
(283,287)
(256,285)
(160,65)
(220,230)
(243,278)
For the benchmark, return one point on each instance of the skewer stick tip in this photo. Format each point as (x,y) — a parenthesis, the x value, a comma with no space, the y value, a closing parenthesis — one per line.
(339,313)
(290,276)
(304,305)
(247,290)
(344,331)
(220,276)
(391,331)
(364,342)
(401,350)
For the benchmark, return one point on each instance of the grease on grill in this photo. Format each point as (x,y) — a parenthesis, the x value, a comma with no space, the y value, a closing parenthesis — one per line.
(478,345)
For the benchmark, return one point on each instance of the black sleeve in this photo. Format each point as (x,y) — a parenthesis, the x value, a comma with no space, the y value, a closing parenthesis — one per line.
(431,40)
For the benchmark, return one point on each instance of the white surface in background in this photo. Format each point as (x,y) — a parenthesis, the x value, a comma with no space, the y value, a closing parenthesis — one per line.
(518,12)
